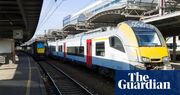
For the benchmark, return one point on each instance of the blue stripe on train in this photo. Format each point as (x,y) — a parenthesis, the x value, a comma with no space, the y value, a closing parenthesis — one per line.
(112,64)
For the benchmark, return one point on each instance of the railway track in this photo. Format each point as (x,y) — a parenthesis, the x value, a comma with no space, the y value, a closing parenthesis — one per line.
(61,82)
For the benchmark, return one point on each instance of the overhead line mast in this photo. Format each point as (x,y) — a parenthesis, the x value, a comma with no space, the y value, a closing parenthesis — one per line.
(161,7)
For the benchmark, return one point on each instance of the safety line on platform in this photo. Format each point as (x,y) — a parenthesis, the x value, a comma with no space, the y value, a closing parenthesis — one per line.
(29,79)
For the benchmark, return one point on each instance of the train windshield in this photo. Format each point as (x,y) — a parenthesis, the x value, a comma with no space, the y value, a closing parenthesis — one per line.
(147,37)
(40,45)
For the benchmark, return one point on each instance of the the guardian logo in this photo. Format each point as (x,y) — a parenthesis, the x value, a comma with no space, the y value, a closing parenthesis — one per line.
(138,81)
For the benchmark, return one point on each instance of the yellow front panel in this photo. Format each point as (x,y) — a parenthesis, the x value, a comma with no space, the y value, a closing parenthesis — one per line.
(153,52)
(40,50)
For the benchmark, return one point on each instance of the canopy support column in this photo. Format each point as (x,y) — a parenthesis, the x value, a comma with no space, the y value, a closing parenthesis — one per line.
(174,48)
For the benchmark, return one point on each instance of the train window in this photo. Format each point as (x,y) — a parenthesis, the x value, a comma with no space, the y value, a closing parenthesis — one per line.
(71,50)
(40,45)
(170,45)
(78,51)
(81,50)
(60,48)
(116,43)
(148,37)
(100,49)
(53,48)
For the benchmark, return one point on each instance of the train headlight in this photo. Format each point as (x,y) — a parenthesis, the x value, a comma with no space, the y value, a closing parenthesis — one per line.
(165,59)
(145,59)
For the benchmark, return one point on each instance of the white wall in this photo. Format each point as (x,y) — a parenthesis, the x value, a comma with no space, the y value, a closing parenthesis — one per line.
(5,45)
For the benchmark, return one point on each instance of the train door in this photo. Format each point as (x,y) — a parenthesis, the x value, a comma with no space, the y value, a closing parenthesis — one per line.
(64,51)
(89,53)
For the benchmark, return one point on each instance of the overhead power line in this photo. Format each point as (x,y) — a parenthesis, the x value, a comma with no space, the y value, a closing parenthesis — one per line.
(47,18)
(47,10)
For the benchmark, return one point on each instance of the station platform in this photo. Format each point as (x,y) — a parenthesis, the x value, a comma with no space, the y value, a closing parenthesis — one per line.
(22,78)
(176,65)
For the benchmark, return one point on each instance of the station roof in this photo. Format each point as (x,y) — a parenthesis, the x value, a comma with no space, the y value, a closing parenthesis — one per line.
(169,24)
(19,14)
(108,13)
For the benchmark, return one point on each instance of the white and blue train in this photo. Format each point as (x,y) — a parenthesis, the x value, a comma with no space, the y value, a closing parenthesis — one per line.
(129,46)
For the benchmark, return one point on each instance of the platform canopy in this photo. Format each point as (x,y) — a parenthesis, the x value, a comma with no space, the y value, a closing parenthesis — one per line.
(169,24)
(20,16)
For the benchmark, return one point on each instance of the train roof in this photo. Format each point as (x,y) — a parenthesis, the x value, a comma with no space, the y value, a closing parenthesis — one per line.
(139,24)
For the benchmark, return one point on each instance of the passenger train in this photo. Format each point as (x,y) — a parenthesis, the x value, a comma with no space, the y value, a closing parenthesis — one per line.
(169,42)
(132,45)
(37,49)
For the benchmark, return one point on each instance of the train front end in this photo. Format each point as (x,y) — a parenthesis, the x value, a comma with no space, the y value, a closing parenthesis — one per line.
(40,49)
(148,45)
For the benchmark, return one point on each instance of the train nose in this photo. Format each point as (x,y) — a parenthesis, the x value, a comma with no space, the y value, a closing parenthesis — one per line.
(154,54)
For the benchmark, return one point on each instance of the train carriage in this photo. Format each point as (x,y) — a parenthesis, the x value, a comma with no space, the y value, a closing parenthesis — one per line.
(40,48)
(129,46)
(37,49)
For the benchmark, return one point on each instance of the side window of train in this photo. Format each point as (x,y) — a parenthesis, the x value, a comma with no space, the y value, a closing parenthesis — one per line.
(60,48)
(81,50)
(100,49)
(116,43)
(52,48)
(77,51)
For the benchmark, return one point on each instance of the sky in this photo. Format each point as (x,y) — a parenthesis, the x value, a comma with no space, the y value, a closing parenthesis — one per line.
(53,12)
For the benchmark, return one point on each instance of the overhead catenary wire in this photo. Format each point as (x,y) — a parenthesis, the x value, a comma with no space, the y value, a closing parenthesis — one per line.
(59,25)
(46,11)
(47,18)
